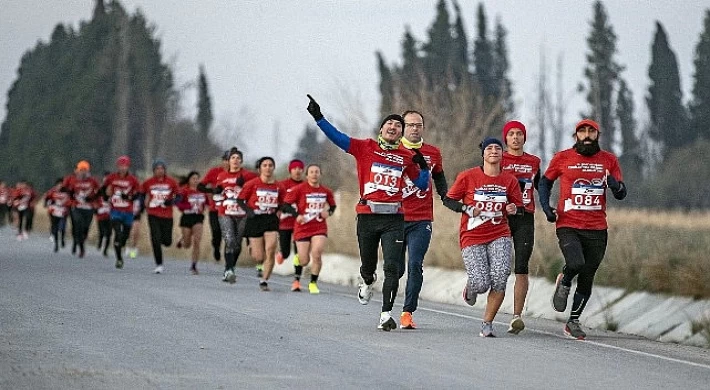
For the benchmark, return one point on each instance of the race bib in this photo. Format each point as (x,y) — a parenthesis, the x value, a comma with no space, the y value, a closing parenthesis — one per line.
(492,204)
(267,201)
(315,204)
(158,196)
(385,178)
(585,197)
(118,201)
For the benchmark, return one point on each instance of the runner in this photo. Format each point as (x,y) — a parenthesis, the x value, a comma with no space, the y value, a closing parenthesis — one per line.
(160,192)
(488,196)
(121,189)
(418,208)
(260,199)
(29,222)
(314,204)
(380,167)
(207,185)
(4,203)
(103,219)
(585,172)
(138,208)
(57,203)
(286,221)
(83,190)
(192,204)
(23,198)
(526,168)
(232,218)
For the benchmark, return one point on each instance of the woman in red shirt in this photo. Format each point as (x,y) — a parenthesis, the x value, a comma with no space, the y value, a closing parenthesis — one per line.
(261,198)
(57,203)
(488,195)
(314,204)
(192,204)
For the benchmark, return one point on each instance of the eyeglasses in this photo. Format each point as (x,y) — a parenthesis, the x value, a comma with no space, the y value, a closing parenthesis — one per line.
(414,125)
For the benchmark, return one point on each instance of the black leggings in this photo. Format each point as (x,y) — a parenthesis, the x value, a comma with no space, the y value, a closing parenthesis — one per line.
(583,251)
(80,224)
(22,220)
(216,230)
(4,210)
(161,233)
(58,227)
(285,243)
(104,233)
(121,231)
(389,230)
(522,229)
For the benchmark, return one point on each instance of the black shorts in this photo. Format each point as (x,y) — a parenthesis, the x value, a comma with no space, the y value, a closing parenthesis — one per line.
(190,220)
(259,224)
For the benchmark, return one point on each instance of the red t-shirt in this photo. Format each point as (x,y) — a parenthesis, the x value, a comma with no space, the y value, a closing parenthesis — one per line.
(418,205)
(491,194)
(58,203)
(84,190)
(286,221)
(380,173)
(4,196)
(263,198)
(193,201)
(23,198)
(103,209)
(310,202)
(582,203)
(120,185)
(228,181)
(524,168)
(210,179)
(157,191)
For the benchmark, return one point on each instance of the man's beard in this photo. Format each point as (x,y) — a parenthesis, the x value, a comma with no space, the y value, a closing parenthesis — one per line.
(587,149)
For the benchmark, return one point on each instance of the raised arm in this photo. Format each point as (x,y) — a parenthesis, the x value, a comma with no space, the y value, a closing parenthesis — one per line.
(340,139)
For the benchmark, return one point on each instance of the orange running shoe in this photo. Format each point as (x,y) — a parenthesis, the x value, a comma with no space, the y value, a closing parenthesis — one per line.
(296,286)
(279,258)
(405,321)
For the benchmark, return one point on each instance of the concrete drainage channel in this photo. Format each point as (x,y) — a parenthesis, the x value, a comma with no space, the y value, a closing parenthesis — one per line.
(658,317)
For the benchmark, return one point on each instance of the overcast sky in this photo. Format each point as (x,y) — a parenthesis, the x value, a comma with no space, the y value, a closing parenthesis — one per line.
(263,56)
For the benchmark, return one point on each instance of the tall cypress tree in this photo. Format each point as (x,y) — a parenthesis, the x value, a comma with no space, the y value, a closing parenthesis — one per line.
(386,86)
(665,99)
(700,104)
(204,105)
(631,149)
(501,66)
(410,74)
(483,56)
(437,52)
(602,72)
(459,52)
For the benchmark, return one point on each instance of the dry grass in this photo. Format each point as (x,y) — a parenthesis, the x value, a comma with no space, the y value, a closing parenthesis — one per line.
(648,250)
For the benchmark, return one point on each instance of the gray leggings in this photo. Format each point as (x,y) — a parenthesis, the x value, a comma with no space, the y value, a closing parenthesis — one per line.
(488,265)
(232,233)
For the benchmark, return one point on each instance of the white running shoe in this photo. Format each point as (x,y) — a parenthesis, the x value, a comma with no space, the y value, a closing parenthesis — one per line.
(386,322)
(159,269)
(230,276)
(364,292)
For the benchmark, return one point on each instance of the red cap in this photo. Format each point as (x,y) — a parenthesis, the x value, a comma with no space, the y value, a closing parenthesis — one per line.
(587,122)
(124,161)
(295,164)
(514,125)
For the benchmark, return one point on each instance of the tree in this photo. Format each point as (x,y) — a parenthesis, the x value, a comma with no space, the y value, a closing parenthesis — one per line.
(630,159)
(204,105)
(411,73)
(602,72)
(501,66)
(459,52)
(700,104)
(483,60)
(665,100)
(438,50)
(386,86)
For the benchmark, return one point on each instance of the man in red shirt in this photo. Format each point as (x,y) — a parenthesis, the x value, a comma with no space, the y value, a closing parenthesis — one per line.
(83,190)
(526,168)
(381,166)
(120,188)
(287,221)
(207,185)
(418,208)
(585,172)
(160,191)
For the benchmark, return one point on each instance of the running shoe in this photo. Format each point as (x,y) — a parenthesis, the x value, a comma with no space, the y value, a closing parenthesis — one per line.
(230,276)
(469,298)
(559,298)
(159,269)
(63,243)
(264,286)
(81,253)
(259,271)
(119,263)
(51,238)
(56,248)
(296,286)
(364,292)
(19,237)
(73,249)
(279,258)
(386,322)
(487,330)
(574,330)
(133,253)
(516,325)
(406,322)
(296,261)
(313,288)
(25,235)
(194,271)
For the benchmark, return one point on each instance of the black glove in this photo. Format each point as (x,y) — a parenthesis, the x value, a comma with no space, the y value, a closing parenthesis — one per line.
(550,213)
(418,159)
(613,183)
(125,196)
(522,184)
(218,190)
(249,211)
(168,202)
(314,109)
(240,181)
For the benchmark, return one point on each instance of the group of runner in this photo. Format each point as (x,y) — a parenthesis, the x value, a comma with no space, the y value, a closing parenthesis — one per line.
(17,207)
(496,200)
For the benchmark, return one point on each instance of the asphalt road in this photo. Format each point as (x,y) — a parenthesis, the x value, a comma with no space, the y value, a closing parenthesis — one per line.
(69,323)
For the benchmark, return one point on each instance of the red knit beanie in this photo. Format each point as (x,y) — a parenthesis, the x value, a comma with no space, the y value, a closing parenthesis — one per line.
(295,164)
(514,125)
